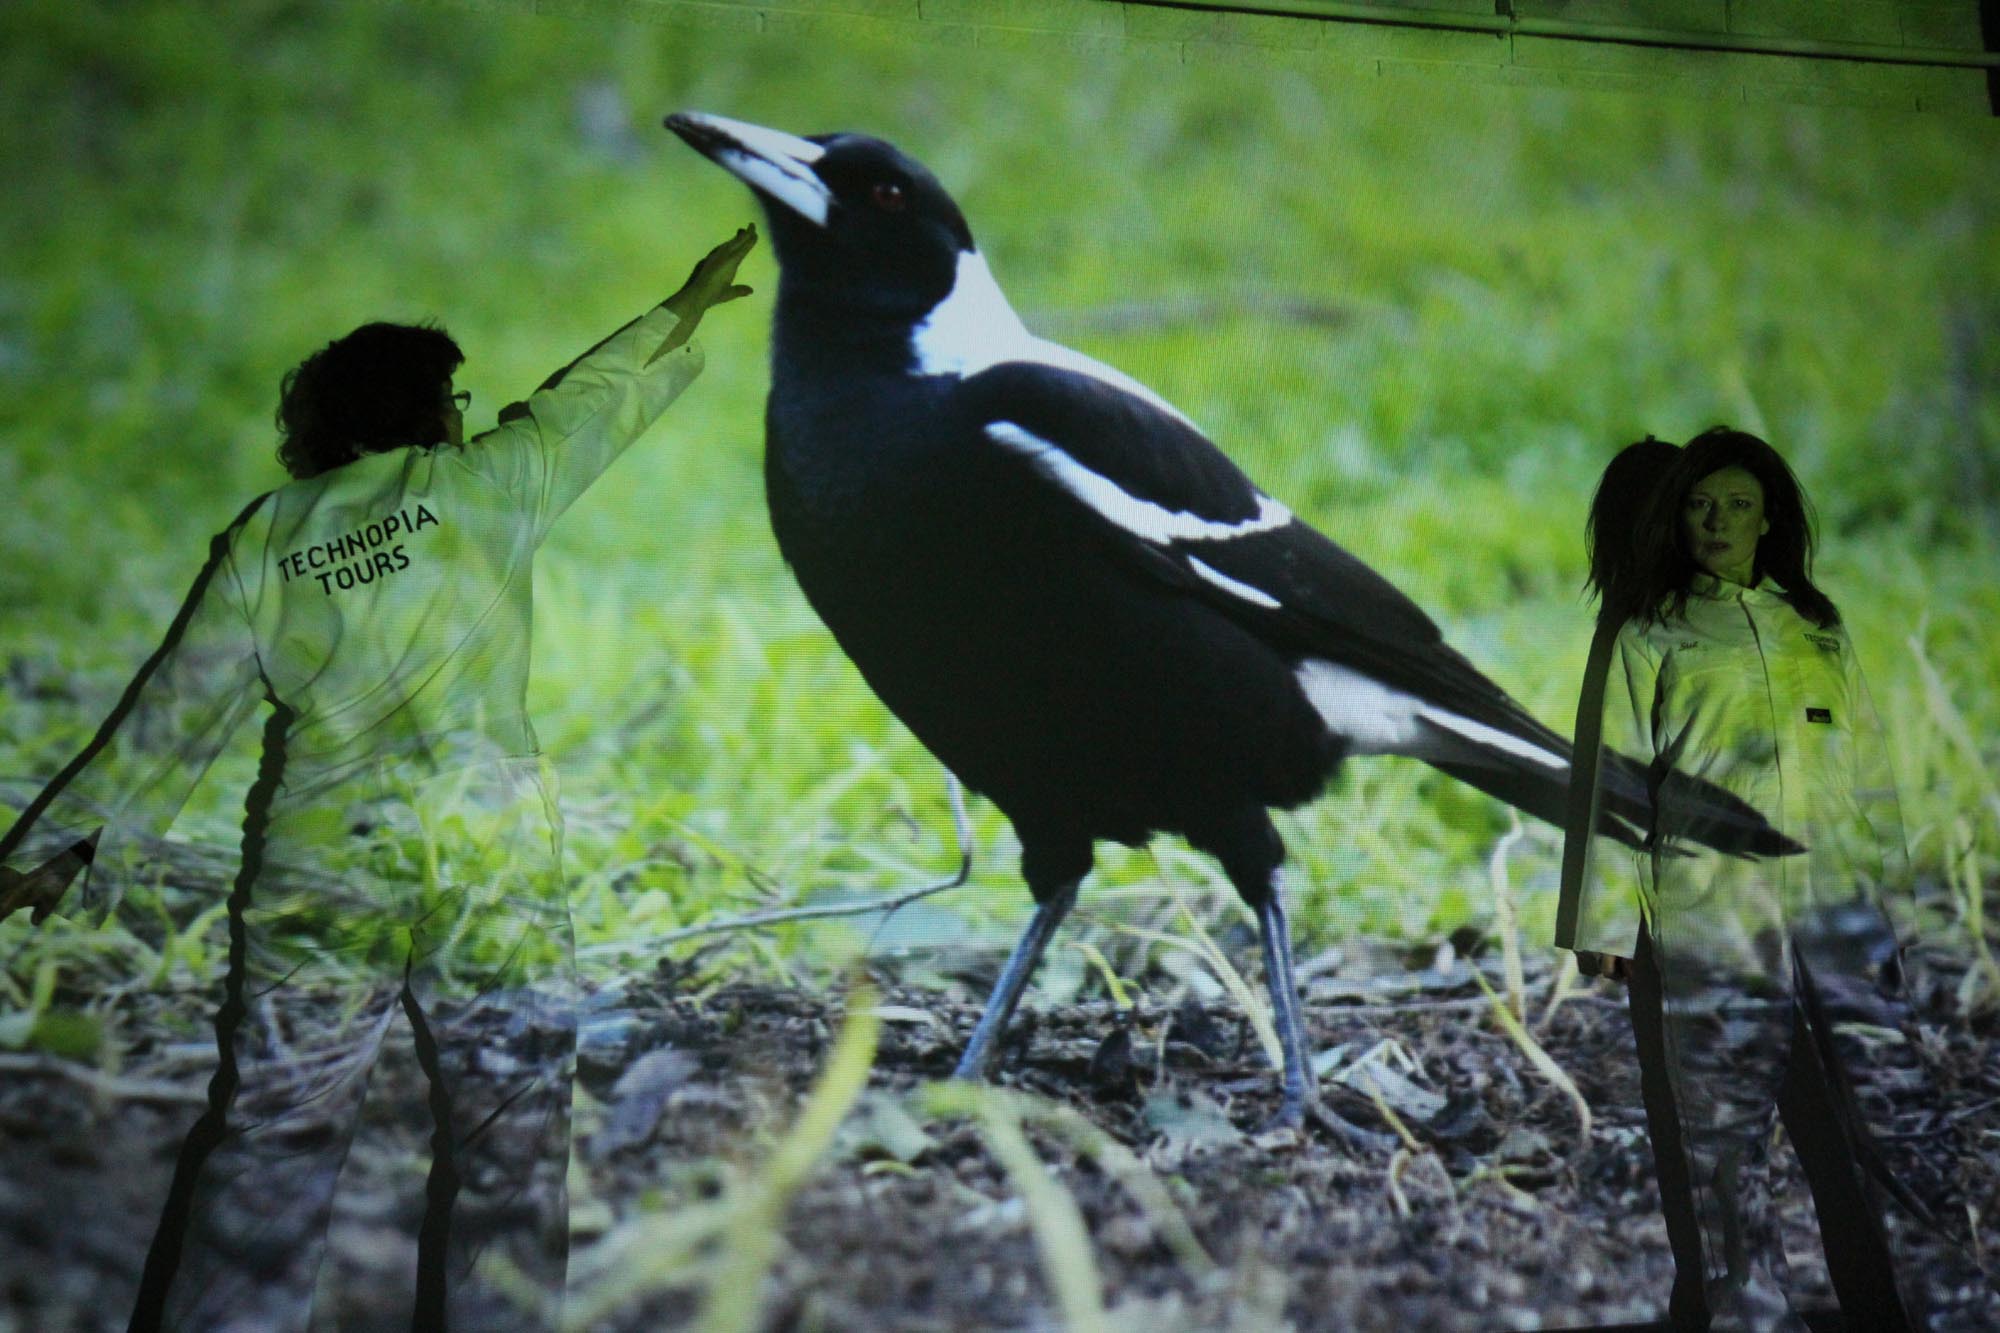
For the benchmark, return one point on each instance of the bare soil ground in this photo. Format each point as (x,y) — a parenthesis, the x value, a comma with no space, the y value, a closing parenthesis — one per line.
(1502,1216)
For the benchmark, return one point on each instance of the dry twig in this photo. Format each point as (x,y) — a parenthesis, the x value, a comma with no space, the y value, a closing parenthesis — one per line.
(114,1086)
(781,916)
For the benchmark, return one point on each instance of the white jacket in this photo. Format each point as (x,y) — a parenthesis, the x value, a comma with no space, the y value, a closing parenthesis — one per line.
(384,607)
(1743,692)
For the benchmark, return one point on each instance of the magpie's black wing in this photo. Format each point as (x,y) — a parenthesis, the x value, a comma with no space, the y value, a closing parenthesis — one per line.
(1170,503)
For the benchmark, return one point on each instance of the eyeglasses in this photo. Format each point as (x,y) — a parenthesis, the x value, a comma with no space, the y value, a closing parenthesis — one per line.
(462,399)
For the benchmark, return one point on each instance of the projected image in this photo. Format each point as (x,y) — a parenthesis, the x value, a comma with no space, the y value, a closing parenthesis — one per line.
(1002,756)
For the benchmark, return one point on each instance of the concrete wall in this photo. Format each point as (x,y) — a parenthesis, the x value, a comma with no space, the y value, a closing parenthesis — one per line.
(1808,55)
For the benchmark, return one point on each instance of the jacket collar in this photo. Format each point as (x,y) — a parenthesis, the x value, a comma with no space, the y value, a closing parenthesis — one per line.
(1707,586)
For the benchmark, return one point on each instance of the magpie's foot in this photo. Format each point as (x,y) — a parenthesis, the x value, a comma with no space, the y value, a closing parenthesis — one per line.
(1347,1132)
(1291,1114)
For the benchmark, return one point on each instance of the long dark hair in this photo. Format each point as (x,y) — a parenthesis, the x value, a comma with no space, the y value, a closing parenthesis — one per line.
(379,388)
(1665,569)
(1611,531)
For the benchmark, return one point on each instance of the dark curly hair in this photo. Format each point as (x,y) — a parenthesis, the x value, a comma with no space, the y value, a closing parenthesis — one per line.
(379,388)
(1666,569)
(1611,531)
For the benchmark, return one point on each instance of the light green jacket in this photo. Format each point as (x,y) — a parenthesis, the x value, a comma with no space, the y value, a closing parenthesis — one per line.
(1745,693)
(384,607)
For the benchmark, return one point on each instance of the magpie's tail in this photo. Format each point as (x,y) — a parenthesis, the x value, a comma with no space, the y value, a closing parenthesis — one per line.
(1699,812)
(1541,792)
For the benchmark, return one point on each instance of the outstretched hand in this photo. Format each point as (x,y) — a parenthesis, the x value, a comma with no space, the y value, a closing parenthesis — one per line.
(40,889)
(712,282)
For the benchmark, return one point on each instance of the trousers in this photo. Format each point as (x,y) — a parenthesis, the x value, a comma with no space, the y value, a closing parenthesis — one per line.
(1812,1037)
(401,975)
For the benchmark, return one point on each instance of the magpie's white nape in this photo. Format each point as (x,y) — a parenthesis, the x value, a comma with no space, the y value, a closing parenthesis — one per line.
(1068,593)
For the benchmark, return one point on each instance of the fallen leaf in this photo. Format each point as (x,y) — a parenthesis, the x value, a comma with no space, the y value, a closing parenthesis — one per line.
(639,1097)
(1188,1118)
(879,1127)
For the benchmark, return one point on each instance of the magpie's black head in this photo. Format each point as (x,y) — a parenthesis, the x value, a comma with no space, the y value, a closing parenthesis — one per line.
(852,219)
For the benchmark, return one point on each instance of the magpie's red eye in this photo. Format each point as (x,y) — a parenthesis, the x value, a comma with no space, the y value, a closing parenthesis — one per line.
(889,197)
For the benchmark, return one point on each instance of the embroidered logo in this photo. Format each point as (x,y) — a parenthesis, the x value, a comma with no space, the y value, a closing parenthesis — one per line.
(1819,715)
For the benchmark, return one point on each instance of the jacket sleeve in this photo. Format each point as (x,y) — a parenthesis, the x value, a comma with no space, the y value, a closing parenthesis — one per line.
(1604,883)
(129,783)
(547,451)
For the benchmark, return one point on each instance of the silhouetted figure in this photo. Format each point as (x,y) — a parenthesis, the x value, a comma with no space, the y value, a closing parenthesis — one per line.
(1611,540)
(400,855)
(1756,985)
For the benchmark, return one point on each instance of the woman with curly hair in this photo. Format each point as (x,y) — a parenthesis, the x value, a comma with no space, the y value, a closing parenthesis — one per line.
(401,848)
(1758,986)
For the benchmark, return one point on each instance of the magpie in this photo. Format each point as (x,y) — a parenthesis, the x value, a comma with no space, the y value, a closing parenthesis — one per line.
(1066,591)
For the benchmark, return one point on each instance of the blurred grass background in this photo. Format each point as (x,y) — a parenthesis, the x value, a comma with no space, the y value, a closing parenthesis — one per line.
(1425,317)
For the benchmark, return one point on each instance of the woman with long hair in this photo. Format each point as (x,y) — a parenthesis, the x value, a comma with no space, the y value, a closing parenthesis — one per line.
(1758,986)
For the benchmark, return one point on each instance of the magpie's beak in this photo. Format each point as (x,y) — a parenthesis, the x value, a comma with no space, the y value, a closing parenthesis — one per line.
(777,165)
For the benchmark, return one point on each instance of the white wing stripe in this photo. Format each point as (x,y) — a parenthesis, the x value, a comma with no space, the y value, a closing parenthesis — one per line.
(1141,518)
(1374,718)
(1239,588)
(1378,720)
(1482,734)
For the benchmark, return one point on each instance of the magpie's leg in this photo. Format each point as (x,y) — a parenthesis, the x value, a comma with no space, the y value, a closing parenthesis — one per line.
(1300,1086)
(1014,979)
(1301,1098)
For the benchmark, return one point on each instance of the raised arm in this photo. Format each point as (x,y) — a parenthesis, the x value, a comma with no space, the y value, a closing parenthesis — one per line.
(548,450)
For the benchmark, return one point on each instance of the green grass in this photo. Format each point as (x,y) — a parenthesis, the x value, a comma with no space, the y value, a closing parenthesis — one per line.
(1498,289)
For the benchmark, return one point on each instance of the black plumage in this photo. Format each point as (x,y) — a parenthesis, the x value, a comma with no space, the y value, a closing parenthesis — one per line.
(1071,597)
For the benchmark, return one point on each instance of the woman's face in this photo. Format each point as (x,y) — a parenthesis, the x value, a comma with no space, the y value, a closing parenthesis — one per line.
(1722,520)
